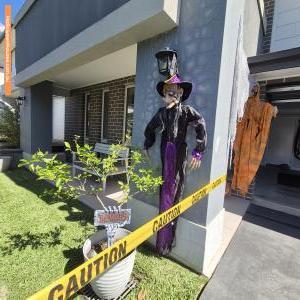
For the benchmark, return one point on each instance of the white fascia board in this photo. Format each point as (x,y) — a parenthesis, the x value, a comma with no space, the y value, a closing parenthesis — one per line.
(277,74)
(133,22)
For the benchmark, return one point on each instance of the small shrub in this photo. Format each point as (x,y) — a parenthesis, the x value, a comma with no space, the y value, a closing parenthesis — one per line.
(10,125)
(142,179)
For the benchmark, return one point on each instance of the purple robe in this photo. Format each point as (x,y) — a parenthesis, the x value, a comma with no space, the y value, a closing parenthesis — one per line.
(173,123)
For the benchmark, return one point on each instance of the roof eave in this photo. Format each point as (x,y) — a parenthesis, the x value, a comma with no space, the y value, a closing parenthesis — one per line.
(278,60)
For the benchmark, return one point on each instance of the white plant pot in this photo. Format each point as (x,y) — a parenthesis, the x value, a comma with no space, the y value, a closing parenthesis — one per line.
(4,163)
(112,283)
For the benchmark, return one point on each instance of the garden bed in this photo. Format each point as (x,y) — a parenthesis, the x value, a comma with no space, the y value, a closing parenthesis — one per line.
(41,239)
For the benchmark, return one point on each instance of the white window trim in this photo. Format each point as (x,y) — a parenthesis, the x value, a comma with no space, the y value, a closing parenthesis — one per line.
(102,114)
(127,86)
(85,139)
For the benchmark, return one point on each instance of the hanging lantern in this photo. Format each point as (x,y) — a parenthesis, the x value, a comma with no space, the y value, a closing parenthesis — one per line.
(167,62)
(20,100)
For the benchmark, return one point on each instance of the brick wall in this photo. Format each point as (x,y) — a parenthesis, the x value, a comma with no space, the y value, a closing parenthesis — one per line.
(74,118)
(74,111)
(269,13)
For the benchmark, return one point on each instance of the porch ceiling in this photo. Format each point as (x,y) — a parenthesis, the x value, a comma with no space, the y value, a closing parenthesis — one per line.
(119,64)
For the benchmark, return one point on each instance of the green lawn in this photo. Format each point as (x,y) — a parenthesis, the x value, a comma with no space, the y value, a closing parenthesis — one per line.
(40,240)
(164,279)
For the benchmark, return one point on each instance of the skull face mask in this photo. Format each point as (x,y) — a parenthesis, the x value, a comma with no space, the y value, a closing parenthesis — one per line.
(172,94)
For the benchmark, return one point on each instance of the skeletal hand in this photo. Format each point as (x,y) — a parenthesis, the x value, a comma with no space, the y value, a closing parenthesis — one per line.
(194,163)
(112,209)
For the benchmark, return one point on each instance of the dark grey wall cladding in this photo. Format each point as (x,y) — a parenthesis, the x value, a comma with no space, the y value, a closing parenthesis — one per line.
(36,118)
(41,116)
(50,23)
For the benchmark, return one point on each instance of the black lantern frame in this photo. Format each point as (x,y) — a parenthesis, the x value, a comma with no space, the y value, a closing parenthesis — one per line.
(20,100)
(167,62)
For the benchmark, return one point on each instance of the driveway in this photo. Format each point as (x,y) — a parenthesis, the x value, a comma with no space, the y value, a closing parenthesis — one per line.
(262,261)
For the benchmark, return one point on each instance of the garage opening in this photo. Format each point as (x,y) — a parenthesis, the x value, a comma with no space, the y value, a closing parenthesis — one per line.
(277,183)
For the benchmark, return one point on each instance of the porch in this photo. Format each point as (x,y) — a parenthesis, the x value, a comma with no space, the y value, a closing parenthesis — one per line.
(89,68)
(94,101)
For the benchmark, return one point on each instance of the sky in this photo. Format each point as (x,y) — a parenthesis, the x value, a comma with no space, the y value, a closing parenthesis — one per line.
(16,4)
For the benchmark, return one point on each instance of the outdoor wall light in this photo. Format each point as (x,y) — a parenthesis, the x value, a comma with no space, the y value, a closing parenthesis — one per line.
(167,61)
(20,100)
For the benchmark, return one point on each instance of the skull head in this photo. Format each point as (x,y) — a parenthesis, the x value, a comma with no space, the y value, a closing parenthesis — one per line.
(172,93)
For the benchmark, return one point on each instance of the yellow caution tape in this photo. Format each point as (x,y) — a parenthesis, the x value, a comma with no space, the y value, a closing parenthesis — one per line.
(69,284)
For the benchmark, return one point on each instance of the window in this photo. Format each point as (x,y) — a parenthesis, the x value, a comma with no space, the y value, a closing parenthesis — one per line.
(129,108)
(105,106)
(58,118)
(87,110)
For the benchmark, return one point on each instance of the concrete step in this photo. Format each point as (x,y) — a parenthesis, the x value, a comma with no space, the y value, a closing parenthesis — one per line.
(274,215)
(281,207)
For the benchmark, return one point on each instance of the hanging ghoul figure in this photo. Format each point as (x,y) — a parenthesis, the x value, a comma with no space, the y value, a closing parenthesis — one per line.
(173,121)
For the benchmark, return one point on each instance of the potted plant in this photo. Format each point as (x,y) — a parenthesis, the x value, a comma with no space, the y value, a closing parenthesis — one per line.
(113,282)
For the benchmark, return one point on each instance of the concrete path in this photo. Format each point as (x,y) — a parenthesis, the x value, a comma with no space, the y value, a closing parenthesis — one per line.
(262,261)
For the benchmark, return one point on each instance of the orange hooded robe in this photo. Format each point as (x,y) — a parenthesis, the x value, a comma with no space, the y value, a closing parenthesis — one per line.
(250,142)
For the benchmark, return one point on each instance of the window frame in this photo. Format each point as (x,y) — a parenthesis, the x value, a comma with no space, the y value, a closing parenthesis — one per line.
(85,139)
(103,140)
(127,86)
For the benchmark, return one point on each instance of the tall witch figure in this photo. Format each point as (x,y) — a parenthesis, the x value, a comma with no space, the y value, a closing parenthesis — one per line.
(173,121)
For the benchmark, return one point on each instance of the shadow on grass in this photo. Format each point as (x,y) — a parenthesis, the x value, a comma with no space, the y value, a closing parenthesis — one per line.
(77,212)
(13,243)
(75,258)
(31,240)
(149,250)
(75,255)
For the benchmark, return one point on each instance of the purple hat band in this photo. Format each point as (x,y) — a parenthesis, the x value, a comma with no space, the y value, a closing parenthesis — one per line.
(174,79)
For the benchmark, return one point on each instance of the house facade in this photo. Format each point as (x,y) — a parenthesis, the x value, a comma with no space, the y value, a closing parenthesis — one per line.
(99,58)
